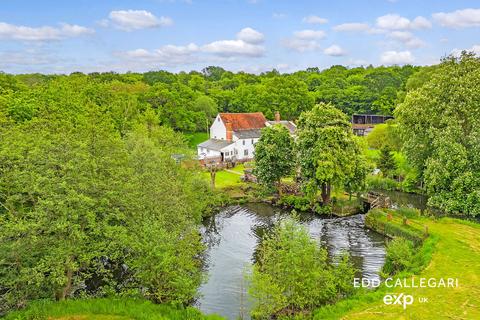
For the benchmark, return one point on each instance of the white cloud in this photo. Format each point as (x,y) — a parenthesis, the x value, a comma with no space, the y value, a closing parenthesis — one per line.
(301,45)
(304,40)
(315,20)
(407,38)
(129,20)
(335,51)
(247,44)
(420,23)
(475,49)
(45,33)
(458,19)
(352,27)
(168,54)
(396,57)
(309,34)
(250,35)
(397,22)
(232,48)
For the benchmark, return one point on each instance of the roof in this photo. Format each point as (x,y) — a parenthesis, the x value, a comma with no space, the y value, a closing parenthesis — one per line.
(215,144)
(248,134)
(287,124)
(244,121)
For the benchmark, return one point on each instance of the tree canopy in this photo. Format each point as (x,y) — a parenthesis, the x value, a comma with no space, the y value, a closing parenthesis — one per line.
(440,127)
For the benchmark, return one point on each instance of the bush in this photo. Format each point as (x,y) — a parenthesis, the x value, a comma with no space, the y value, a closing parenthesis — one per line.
(299,203)
(400,256)
(292,275)
(382,183)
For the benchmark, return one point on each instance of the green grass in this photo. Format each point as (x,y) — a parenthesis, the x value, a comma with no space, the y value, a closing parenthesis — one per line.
(196,138)
(451,251)
(224,179)
(105,309)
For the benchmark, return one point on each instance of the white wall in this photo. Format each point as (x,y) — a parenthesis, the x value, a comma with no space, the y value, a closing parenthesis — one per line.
(218,130)
(206,153)
(240,148)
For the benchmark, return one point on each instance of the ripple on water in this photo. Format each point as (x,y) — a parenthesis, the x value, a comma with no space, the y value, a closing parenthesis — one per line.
(233,234)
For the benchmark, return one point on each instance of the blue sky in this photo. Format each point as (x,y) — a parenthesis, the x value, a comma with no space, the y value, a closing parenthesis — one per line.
(249,35)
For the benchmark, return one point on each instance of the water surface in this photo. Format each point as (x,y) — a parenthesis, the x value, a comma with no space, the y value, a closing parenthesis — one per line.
(233,234)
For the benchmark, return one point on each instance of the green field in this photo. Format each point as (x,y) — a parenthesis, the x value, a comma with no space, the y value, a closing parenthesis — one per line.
(454,246)
(105,309)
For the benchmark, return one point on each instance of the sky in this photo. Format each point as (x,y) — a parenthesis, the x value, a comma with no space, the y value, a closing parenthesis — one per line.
(238,35)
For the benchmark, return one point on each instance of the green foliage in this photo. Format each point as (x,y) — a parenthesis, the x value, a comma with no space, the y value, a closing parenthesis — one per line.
(384,135)
(105,309)
(399,256)
(386,163)
(292,274)
(439,124)
(83,207)
(376,220)
(328,152)
(273,156)
(296,202)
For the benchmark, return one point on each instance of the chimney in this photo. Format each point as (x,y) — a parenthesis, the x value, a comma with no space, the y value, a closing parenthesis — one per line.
(228,125)
(277,116)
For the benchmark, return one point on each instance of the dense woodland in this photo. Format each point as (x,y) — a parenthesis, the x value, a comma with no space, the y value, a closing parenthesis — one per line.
(187,101)
(85,162)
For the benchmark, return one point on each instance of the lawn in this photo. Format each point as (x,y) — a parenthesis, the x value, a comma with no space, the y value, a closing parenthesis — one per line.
(456,254)
(105,309)
(196,138)
(225,179)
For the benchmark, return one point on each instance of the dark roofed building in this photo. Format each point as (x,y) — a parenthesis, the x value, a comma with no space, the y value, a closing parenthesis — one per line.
(362,124)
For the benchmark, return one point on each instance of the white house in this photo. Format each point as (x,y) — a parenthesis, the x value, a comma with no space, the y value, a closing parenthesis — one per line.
(233,136)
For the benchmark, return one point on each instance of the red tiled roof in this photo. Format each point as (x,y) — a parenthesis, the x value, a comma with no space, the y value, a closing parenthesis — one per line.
(244,121)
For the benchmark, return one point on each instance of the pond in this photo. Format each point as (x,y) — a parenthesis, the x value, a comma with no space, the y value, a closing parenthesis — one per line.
(233,235)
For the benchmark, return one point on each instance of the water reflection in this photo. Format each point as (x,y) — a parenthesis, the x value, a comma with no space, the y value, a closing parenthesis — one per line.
(233,235)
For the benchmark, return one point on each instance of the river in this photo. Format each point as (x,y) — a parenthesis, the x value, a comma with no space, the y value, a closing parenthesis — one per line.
(233,235)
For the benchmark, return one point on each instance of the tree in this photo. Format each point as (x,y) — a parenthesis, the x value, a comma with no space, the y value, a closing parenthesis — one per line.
(273,156)
(440,129)
(386,162)
(327,150)
(84,211)
(292,274)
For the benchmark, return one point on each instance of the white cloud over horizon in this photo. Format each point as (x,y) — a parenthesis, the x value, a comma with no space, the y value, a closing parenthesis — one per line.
(129,20)
(397,57)
(458,19)
(45,33)
(334,51)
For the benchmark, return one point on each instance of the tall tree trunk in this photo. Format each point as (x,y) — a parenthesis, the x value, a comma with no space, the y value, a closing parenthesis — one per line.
(326,193)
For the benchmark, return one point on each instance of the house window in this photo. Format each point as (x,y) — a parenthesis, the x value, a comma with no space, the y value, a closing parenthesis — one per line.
(252,141)
(245,152)
(226,153)
(243,142)
(218,119)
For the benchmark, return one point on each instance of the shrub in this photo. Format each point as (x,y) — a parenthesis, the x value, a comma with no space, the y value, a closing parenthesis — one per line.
(400,256)
(292,274)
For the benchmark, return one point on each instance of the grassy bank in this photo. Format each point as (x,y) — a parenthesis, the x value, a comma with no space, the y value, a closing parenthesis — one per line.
(451,251)
(105,309)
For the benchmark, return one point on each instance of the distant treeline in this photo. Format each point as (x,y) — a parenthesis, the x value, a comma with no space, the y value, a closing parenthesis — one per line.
(188,101)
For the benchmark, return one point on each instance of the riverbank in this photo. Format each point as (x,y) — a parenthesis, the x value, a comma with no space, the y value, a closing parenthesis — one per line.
(453,251)
(106,309)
